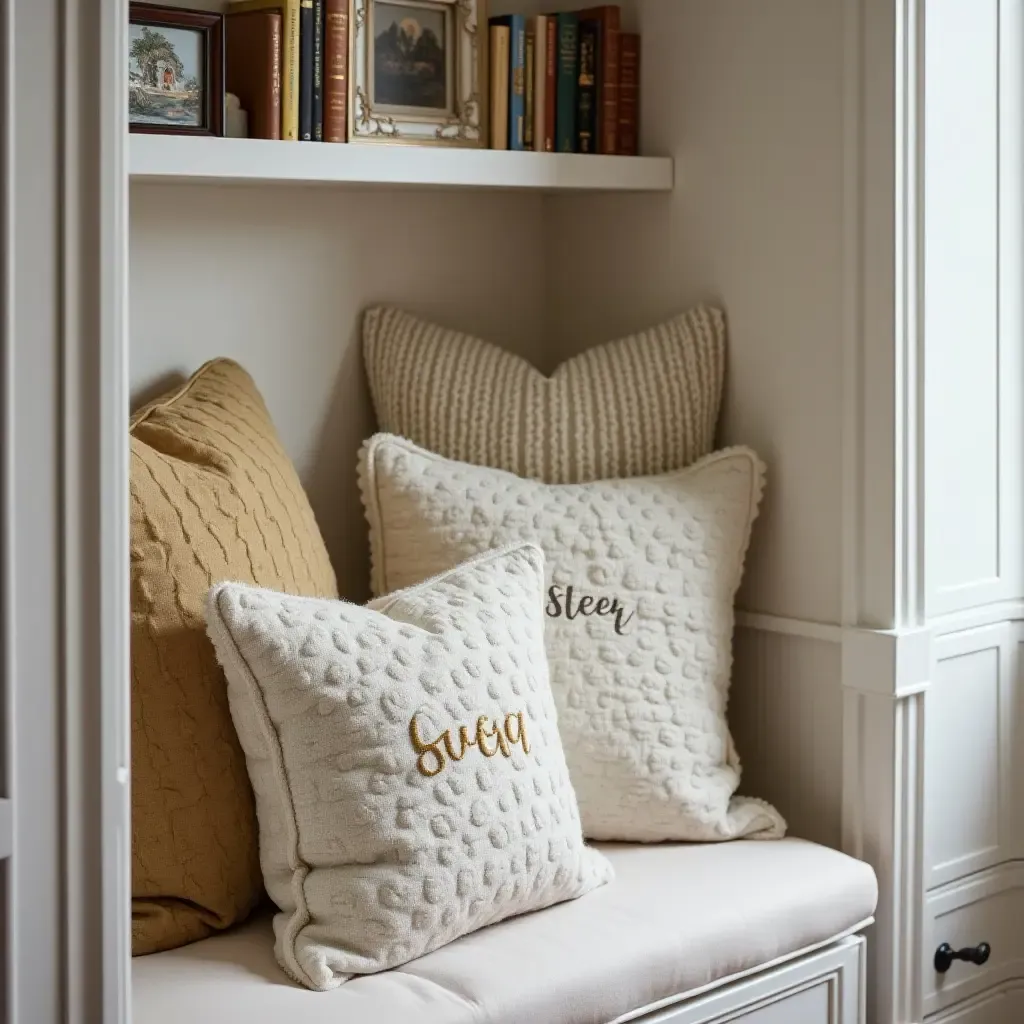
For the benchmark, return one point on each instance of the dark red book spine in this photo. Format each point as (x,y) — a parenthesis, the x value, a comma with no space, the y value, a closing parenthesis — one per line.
(551,89)
(629,94)
(336,71)
(609,30)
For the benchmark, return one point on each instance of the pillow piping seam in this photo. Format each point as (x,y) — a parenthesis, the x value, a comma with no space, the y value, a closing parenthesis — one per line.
(302,870)
(166,401)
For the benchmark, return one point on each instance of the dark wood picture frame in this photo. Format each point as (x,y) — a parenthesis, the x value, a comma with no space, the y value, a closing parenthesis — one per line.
(211,26)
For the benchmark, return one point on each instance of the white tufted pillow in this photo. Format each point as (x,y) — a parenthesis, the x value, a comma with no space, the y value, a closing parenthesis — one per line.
(642,574)
(410,782)
(642,404)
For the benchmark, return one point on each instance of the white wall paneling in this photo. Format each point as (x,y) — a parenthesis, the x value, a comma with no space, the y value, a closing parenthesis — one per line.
(972,302)
(786,715)
(969,761)
(885,679)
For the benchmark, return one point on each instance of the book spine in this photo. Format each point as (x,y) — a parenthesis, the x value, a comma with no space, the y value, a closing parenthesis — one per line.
(517,83)
(306,71)
(586,110)
(274,126)
(568,82)
(529,85)
(608,22)
(608,84)
(499,86)
(336,70)
(290,73)
(550,85)
(629,94)
(540,80)
(289,57)
(318,70)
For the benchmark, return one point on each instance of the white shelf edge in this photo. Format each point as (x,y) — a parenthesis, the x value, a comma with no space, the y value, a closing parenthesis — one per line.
(172,158)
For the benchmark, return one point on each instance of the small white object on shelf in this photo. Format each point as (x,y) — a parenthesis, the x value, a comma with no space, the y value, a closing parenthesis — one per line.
(236,120)
(172,158)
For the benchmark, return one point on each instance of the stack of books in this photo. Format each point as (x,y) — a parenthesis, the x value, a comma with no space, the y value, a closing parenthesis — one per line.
(287,62)
(565,83)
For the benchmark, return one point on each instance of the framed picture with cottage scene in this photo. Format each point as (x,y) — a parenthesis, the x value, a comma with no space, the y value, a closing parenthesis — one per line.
(175,70)
(417,69)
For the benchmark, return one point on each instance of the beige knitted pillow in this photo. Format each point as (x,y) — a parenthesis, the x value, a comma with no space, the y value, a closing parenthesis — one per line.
(638,406)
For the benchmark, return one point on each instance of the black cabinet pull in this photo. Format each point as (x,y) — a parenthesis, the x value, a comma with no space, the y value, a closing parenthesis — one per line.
(946,954)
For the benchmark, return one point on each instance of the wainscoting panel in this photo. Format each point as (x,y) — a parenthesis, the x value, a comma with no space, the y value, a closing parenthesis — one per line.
(785,711)
(969,748)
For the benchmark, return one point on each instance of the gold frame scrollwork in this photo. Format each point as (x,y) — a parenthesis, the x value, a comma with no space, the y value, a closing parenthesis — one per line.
(463,124)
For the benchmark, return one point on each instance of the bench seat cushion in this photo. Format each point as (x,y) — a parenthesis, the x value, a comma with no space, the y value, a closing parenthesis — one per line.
(678,918)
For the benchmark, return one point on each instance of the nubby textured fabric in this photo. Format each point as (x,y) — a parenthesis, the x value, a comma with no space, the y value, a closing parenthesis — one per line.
(410,781)
(641,578)
(635,406)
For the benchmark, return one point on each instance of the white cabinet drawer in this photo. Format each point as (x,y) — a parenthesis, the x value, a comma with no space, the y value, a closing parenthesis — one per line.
(1003,1006)
(986,907)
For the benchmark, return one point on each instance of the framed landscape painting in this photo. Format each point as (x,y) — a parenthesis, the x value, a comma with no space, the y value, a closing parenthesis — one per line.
(175,71)
(417,72)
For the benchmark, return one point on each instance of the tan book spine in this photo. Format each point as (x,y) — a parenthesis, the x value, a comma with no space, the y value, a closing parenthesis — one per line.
(501,39)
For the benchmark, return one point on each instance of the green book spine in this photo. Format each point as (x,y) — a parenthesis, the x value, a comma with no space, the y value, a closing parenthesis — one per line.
(568,82)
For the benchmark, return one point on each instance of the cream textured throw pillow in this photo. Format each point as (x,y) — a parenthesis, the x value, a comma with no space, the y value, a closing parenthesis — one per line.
(410,782)
(636,406)
(641,579)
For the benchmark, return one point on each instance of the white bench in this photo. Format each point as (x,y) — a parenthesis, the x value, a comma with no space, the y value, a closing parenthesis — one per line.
(758,932)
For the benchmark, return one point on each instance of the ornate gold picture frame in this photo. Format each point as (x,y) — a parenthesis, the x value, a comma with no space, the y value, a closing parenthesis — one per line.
(417,72)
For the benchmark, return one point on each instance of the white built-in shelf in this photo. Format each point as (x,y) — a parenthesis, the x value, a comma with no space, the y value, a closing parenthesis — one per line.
(175,158)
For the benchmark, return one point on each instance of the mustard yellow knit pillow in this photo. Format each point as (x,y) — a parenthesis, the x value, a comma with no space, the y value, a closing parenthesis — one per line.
(638,406)
(214,497)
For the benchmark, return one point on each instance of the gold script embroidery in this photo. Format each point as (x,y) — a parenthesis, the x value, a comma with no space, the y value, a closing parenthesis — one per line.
(434,754)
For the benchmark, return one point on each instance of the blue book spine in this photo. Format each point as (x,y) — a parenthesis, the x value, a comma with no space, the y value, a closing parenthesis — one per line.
(516,78)
(306,70)
(517,83)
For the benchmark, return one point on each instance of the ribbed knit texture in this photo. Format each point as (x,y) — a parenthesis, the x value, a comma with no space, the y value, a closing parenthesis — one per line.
(642,405)
(214,497)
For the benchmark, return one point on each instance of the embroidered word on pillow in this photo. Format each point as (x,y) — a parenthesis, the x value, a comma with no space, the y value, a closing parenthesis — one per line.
(639,405)
(409,777)
(435,754)
(641,577)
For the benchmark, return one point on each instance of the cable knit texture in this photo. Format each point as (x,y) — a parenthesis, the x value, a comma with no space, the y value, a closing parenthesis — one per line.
(213,497)
(409,777)
(641,577)
(637,406)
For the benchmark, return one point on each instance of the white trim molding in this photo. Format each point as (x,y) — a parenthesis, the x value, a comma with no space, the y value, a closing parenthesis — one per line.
(886,652)
(883,823)
(887,663)
(64,542)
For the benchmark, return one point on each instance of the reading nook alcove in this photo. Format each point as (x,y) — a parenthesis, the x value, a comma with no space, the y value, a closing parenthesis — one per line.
(710,406)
